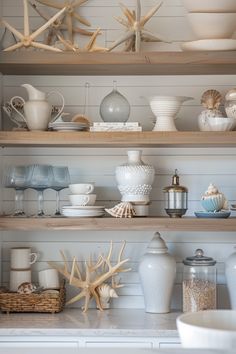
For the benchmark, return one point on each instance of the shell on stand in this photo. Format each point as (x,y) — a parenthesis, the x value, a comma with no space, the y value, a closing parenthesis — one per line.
(211,99)
(122,210)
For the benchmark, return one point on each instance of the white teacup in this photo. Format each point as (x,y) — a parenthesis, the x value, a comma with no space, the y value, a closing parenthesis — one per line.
(81,188)
(49,279)
(22,258)
(82,199)
(17,277)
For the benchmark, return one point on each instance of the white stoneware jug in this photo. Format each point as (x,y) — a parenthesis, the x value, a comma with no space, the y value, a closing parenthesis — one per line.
(37,110)
(157,271)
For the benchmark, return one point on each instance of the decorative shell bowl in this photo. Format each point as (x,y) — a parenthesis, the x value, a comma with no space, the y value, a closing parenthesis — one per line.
(210,5)
(220,123)
(212,25)
(213,203)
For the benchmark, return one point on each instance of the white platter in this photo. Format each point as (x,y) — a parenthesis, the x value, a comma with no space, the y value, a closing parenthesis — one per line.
(209,44)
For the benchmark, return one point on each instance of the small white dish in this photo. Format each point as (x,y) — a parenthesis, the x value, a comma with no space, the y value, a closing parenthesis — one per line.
(209,44)
(212,25)
(218,124)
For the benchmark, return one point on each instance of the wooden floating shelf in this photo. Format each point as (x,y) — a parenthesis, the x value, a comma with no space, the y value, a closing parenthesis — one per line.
(118,139)
(118,63)
(111,224)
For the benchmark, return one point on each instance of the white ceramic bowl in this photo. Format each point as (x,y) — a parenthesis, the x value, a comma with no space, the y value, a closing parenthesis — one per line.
(82,199)
(220,123)
(215,329)
(166,105)
(212,25)
(210,5)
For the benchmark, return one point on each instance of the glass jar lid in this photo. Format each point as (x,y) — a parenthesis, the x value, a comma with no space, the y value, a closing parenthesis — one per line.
(199,259)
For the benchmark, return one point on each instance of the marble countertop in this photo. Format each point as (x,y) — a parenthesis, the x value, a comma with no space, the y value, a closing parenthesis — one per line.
(73,322)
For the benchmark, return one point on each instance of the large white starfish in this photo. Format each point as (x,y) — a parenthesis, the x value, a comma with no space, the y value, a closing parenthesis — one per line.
(136,33)
(27,39)
(70,10)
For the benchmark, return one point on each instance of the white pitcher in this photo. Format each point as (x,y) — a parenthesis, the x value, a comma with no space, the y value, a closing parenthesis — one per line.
(37,109)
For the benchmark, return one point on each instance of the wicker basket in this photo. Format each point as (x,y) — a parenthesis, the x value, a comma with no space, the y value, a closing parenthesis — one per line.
(43,302)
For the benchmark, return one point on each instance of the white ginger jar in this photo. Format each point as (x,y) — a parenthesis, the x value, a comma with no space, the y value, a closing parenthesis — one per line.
(135,178)
(157,271)
(230,273)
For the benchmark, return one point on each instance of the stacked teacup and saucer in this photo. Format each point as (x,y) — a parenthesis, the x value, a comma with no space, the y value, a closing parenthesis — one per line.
(82,201)
(21,259)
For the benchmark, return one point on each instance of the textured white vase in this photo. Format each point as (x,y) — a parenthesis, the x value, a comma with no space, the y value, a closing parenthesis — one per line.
(135,178)
(157,270)
(230,273)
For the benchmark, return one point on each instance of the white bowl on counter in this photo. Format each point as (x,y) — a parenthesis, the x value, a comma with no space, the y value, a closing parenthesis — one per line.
(212,25)
(210,5)
(215,329)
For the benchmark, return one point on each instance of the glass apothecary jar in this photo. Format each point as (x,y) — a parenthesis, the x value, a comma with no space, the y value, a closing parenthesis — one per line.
(199,283)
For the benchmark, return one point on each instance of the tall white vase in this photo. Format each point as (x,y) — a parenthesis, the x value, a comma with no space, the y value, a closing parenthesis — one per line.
(157,271)
(230,273)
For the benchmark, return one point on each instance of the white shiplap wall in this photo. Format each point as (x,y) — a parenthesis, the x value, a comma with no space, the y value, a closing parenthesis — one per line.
(197,167)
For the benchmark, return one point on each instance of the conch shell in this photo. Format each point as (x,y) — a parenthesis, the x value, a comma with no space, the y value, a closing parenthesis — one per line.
(122,210)
(211,99)
(105,292)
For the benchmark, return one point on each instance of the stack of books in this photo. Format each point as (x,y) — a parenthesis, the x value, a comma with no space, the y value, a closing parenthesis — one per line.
(115,127)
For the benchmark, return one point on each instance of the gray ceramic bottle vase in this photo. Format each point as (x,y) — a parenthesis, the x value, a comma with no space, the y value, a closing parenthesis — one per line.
(230,273)
(157,270)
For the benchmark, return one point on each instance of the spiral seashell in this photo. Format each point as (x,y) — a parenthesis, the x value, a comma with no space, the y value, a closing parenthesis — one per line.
(106,291)
(122,210)
(211,99)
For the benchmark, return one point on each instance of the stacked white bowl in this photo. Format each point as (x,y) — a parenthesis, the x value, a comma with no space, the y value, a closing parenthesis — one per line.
(212,19)
(81,194)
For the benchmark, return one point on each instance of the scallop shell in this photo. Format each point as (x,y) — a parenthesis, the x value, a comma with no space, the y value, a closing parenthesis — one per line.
(122,210)
(211,99)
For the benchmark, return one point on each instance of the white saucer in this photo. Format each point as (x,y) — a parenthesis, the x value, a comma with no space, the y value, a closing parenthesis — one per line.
(210,44)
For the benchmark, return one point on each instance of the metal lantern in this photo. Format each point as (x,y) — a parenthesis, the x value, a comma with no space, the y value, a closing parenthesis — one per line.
(176,198)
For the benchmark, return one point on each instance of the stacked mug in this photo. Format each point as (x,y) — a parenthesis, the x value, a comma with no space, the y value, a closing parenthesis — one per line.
(21,260)
(213,23)
(81,194)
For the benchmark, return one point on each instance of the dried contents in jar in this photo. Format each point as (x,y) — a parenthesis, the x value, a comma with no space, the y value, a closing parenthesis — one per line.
(198,295)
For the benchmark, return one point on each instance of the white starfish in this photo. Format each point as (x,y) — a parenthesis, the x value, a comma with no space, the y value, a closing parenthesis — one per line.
(136,33)
(70,6)
(26,39)
(89,47)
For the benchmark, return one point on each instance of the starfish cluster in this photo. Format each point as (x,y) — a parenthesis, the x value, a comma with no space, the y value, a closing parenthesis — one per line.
(64,21)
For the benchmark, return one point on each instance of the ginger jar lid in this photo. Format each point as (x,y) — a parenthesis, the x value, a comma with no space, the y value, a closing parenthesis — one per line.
(157,244)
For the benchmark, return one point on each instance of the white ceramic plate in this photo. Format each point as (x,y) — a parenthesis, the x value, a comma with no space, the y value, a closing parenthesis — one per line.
(209,44)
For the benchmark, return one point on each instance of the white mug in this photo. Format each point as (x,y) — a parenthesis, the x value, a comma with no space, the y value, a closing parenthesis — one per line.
(49,279)
(22,258)
(82,199)
(81,188)
(17,277)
